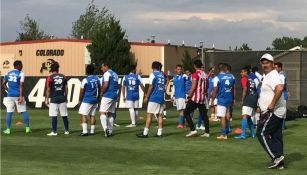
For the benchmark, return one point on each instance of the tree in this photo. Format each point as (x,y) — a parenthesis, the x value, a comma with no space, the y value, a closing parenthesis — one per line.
(187,61)
(110,46)
(286,43)
(244,47)
(89,21)
(30,30)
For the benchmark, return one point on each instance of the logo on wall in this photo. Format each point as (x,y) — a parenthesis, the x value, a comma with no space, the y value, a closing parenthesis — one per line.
(6,64)
(46,65)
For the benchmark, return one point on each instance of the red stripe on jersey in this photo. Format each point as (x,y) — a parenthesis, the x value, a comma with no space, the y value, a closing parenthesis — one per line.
(198,96)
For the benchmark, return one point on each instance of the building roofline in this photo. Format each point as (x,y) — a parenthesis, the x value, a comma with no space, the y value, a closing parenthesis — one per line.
(146,44)
(45,41)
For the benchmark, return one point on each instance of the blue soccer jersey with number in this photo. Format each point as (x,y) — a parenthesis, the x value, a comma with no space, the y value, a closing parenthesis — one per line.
(90,86)
(112,78)
(132,82)
(179,86)
(188,84)
(14,77)
(225,83)
(157,80)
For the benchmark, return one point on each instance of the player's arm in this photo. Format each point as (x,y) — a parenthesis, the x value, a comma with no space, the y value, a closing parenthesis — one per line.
(124,92)
(244,90)
(104,87)
(66,88)
(141,84)
(4,84)
(214,91)
(22,79)
(47,91)
(82,90)
(277,94)
(150,88)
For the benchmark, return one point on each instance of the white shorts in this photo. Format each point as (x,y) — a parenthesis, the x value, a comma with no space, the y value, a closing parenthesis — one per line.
(154,108)
(88,109)
(10,103)
(132,104)
(107,105)
(214,102)
(247,110)
(180,103)
(221,111)
(54,108)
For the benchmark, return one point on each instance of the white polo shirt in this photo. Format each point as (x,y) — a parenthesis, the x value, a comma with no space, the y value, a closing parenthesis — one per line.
(269,83)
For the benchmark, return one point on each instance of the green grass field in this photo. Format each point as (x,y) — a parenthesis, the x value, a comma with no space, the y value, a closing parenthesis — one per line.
(125,154)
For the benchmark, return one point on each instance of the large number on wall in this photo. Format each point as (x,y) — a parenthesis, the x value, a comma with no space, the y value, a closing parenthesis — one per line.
(74,85)
(37,94)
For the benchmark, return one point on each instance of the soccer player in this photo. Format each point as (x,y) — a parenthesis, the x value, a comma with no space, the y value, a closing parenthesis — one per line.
(15,79)
(273,109)
(155,99)
(88,98)
(197,100)
(249,103)
(178,94)
(166,84)
(131,84)
(108,100)
(255,70)
(223,90)
(210,89)
(56,90)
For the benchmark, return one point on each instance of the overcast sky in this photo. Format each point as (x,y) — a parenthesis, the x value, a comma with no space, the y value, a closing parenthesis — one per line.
(223,23)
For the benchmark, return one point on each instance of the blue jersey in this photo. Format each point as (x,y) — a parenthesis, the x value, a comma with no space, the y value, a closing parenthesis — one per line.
(188,84)
(285,90)
(14,77)
(179,86)
(210,85)
(91,86)
(254,77)
(225,83)
(132,82)
(157,80)
(112,78)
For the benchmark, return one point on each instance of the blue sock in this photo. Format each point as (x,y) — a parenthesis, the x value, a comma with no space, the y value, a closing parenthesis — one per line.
(8,119)
(199,120)
(54,120)
(223,131)
(65,121)
(114,116)
(228,127)
(25,118)
(251,126)
(243,126)
(182,120)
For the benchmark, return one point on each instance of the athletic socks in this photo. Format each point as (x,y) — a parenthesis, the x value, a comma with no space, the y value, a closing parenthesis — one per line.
(181,120)
(243,126)
(251,127)
(223,131)
(164,113)
(110,122)
(159,133)
(54,121)
(25,118)
(103,120)
(84,128)
(65,121)
(92,129)
(145,132)
(114,116)
(132,116)
(228,127)
(136,115)
(8,119)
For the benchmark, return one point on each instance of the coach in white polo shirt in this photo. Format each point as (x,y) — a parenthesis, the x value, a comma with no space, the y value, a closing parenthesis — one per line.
(273,109)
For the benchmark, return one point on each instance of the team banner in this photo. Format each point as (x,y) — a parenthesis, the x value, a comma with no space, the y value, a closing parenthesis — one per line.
(35,87)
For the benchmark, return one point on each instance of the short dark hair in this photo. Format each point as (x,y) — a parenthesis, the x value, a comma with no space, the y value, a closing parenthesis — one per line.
(197,63)
(156,65)
(90,69)
(247,69)
(55,67)
(178,65)
(279,64)
(17,63)
(160,66)
(132,67)
(106,63)
(227,66)
(255,69)
(221,66)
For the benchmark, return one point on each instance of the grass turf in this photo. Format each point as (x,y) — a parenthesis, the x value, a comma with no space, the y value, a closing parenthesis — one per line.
(125,154)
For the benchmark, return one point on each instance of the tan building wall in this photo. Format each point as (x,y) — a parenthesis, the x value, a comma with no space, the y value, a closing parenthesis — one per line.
(36,55)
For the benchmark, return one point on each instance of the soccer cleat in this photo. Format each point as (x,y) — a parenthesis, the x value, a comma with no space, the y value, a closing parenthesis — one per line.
(83,134)
(276,162)
(200,128)
(205,135)
(52,134)
(240,137)
(28,130)
(116,125)
(222,137)
(66,132)
(141,135)
(164,117)
(92,133)
(180,126)
(191,134)
(131,126)
(7,131)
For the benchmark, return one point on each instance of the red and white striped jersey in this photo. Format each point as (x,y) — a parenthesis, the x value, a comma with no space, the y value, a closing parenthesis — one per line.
(200,92)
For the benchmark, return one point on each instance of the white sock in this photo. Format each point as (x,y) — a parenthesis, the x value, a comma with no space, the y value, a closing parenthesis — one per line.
(145,132)
(159,132)
(92,129)
(103,120)
(257,118)
(136,115)
(110,124)
(132,115)
(164,113)
(84,128)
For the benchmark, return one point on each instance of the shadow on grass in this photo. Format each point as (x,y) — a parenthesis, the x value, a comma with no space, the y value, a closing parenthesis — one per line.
(294,157)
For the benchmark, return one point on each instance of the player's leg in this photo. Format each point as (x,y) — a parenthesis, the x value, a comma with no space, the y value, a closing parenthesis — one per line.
(228,119)
(160,125)
(180,104)
(53,113)
(152,108)
(114,115)
(9,102)
(191,106)
(64,114)
(130,105)
(244,123)
(84,111)
(221,113)
(204,117)
(21,108)
(104,107)
(110,118)
(92,118)
(164,111)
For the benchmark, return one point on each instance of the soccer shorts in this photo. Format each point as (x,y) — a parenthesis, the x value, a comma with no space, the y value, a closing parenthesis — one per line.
(132,104)
(247,110)
(10,103)
(55,107)
(154,108)
(221,111)
(180,104)
(88,109)
(107,105)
